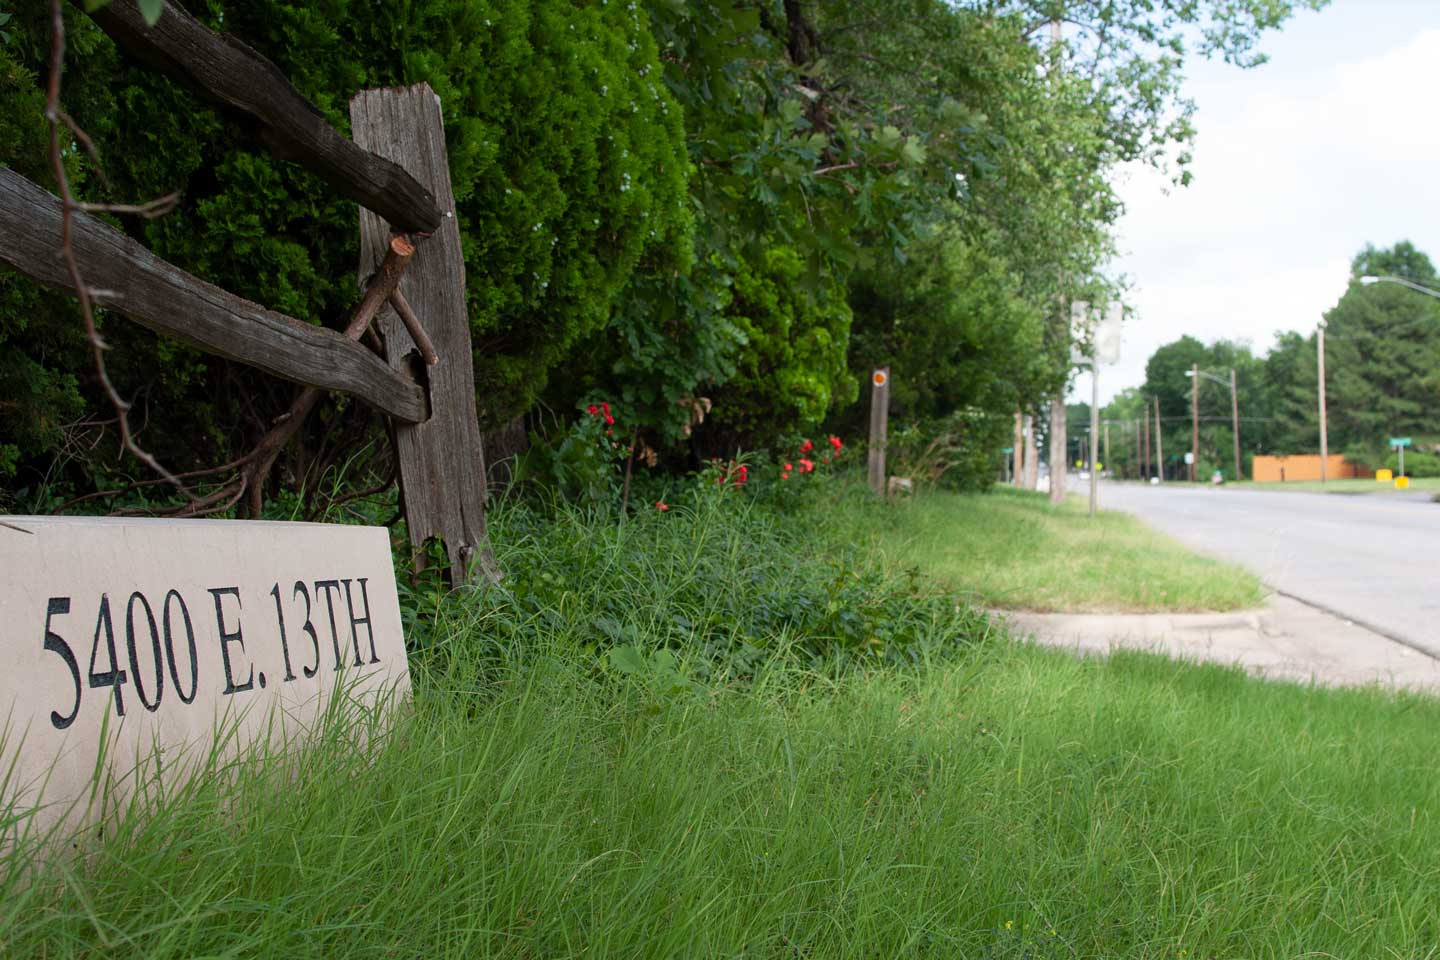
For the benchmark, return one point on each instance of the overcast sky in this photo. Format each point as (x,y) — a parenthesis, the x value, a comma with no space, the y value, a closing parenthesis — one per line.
(1332,144)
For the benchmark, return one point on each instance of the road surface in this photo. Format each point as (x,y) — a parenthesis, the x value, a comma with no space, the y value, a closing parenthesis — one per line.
(1373,558)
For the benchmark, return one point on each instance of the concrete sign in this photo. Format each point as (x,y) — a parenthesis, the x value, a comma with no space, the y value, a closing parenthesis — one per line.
(157,634)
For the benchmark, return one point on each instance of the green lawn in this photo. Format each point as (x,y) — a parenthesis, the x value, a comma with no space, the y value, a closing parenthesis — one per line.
(1011,549)
(1017,803)
(959,796)
(1337,486)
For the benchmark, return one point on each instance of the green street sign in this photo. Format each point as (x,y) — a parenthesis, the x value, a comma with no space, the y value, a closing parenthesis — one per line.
(1008,450)
(1399,441)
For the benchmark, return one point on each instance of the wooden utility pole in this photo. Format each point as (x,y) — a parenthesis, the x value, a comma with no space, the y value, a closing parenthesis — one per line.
(1159,444)
(1145,459)
(879,425)
(1194,419)
(1324,438)
(1235,419)
(1107,447)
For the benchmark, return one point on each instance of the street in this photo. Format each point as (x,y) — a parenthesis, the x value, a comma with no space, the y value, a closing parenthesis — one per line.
(1369,558)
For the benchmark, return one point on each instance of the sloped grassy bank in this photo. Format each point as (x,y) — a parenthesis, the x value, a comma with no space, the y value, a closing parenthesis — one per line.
(561,790)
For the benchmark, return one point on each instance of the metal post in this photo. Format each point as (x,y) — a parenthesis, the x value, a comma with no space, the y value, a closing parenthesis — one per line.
(1194,419)
(1235,419)
(879,419)
(1324,439)
(1094,432)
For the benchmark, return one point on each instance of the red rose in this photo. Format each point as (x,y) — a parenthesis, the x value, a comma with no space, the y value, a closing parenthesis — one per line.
(806,447)
(592,409)
(661,505)
(835,442)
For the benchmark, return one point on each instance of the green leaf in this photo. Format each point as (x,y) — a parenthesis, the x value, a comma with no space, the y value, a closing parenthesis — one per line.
(628,660)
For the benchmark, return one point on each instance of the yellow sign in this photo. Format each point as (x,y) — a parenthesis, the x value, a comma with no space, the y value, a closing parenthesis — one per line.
(879,377)
(1079,463)
(1402,483)
(1384,476)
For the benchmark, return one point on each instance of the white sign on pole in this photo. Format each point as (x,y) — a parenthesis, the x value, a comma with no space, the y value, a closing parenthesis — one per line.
(157,634)
(1107,335)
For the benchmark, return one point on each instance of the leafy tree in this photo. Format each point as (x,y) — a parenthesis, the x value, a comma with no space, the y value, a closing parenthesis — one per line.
(1383,352)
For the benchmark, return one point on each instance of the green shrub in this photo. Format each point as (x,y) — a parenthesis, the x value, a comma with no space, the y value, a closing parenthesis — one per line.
(1417,464)
(566,156)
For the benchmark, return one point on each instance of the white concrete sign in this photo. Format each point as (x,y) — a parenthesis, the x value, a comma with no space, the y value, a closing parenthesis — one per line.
(161,633)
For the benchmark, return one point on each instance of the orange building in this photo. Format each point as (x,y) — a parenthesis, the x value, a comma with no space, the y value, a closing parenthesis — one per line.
(1305,466)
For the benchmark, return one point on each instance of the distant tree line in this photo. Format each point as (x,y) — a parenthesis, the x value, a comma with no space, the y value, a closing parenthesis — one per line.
(1382,380)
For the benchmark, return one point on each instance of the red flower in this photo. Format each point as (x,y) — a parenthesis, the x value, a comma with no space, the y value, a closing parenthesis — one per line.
(835,442)
(661,505)
(788,468)
(609,420)
(806,447)
(605,405)
(784,476)
(609,433)
(806,466)
(592,409)
(742,474)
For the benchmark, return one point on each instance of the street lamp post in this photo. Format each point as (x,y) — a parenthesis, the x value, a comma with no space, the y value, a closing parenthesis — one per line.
(1367,280)
(1196,373)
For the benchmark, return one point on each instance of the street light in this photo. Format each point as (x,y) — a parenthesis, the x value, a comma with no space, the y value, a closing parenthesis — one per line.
(1234,413)
(1367,280)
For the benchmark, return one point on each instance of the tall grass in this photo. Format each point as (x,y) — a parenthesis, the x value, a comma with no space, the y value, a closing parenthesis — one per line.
(1013,803)
(1012,550)
(545,796)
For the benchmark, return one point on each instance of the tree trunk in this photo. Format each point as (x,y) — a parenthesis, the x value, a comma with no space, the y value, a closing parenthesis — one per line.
(1059,448)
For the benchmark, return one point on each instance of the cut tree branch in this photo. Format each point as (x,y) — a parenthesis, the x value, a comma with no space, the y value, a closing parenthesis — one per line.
(68,208)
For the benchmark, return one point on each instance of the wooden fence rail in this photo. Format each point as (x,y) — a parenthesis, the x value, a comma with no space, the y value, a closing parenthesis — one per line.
(226,70)
(156,294)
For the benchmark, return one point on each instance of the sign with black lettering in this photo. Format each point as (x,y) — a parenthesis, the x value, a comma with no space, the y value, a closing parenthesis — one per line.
(153,636)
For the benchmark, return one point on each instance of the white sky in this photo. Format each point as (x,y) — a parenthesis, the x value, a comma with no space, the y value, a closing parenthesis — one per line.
(1332,144)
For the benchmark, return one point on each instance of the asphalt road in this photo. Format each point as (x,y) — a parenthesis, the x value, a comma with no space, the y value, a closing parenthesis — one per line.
(1373,558)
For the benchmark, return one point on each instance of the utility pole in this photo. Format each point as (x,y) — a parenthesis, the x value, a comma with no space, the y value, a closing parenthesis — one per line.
(1107,446)
(1194,419)
(1145,460)
(1324,439)
(1159,444)
(1235,419)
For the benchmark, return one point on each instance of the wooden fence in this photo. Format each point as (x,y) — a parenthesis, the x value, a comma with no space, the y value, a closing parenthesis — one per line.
(410,267)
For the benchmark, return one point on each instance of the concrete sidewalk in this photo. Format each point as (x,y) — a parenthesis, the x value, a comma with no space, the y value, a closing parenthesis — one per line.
(1285,640)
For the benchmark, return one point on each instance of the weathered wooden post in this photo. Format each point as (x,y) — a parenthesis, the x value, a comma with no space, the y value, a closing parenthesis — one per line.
(879,421)
(442,466)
